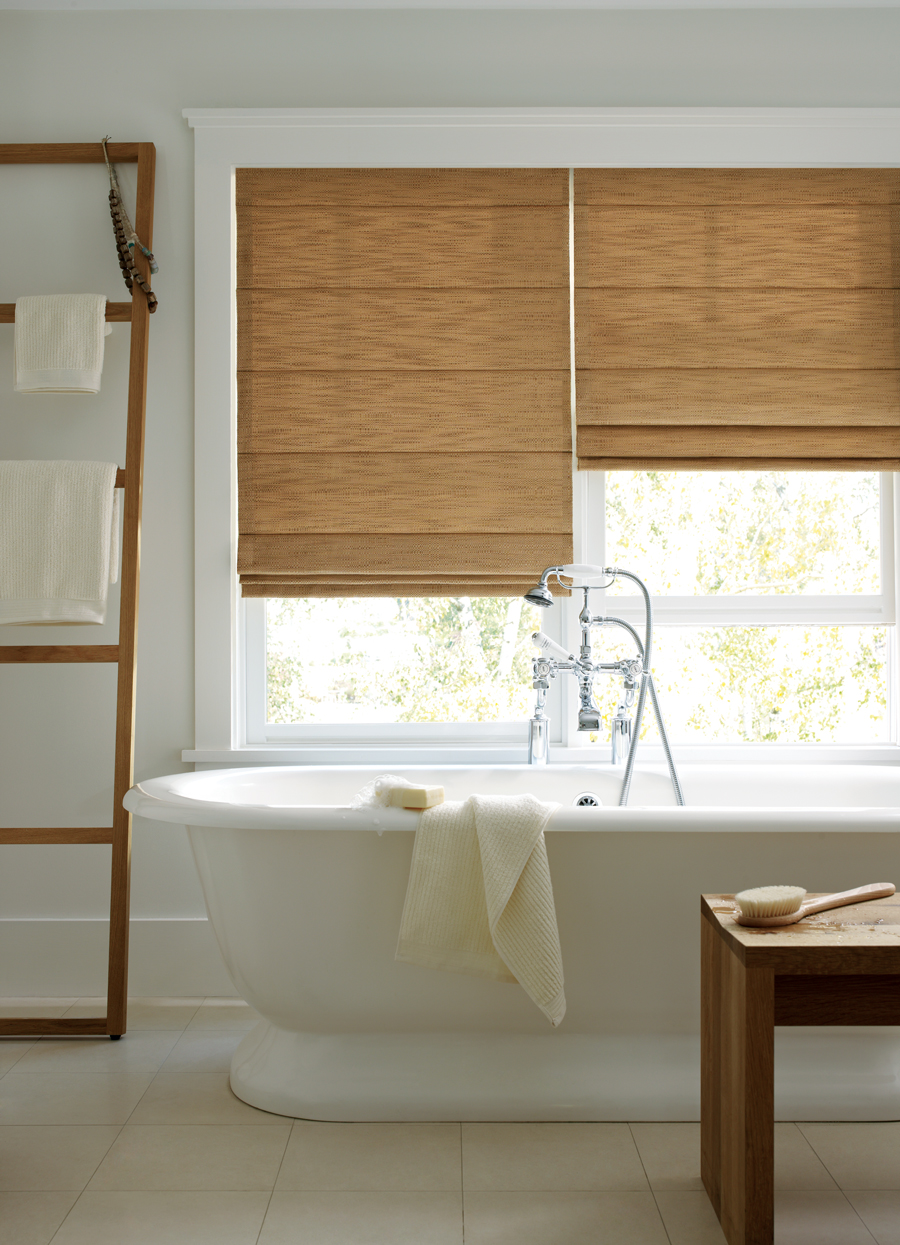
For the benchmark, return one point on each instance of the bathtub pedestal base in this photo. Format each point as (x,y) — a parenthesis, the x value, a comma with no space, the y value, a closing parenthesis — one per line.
(453,1076)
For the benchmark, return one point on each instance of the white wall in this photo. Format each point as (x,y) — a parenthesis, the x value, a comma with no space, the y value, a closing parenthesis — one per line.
(75,76)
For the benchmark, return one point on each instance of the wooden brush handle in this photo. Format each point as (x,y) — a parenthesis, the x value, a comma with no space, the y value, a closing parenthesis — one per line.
(875,890)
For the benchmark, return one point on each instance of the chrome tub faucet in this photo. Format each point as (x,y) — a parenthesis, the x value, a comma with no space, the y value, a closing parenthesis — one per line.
(635,672)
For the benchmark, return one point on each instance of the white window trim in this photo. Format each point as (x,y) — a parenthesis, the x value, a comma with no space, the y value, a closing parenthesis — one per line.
(226,139)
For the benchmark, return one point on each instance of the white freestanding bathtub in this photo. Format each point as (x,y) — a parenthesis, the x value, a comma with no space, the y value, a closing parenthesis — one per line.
(305,897)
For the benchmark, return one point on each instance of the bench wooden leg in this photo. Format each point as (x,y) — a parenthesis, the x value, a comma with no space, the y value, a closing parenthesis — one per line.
(737,1094)
(711,949)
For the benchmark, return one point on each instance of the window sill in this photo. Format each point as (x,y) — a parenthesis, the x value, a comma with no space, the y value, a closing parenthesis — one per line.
(648,754)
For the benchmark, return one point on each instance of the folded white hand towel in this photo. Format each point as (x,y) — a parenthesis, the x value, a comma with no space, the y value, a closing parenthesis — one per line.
(480,900)
(59,541)
(59,343)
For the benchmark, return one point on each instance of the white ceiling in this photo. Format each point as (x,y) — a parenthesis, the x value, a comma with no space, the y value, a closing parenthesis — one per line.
(70,5)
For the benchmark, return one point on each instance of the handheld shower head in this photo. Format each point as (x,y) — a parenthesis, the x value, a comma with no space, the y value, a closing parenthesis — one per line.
(540,595)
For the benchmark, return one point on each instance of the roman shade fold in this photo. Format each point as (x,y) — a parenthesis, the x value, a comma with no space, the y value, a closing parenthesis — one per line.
(404,398)
(737,318)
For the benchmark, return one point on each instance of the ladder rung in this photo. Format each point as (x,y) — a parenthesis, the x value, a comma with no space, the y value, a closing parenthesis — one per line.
(67,153)
(56,834)
(58,652)
(116,313)
(24,1026)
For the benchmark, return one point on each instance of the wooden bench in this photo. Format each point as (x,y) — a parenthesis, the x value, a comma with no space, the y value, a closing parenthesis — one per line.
(835,968)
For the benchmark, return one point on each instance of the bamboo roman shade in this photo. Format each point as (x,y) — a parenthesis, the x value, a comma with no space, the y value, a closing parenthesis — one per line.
(404,420)
(737,318)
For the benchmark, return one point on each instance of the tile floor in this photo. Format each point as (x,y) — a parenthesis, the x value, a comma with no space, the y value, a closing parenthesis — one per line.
(141,1142)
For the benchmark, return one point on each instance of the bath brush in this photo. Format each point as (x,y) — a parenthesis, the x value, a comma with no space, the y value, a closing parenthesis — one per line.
(783,905)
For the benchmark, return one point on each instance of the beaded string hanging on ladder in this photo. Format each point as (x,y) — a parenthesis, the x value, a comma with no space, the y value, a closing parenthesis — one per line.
(126,238)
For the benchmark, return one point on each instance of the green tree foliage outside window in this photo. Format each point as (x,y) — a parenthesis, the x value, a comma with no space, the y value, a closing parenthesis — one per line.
(416,659)
(758,534)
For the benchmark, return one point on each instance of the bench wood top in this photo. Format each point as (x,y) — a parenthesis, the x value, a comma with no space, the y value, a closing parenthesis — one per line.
(858,938)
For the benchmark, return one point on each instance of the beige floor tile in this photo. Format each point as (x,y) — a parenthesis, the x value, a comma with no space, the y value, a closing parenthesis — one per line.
(689,1218)
(15,1006)
(376,1157)
(173,1014)
(363,1219)
(551,1157)
(670,1154)
(820,1217)
(196,1051)
(32,1218)
(12,1050)
(858,1156)
(224,1014)
(136,1052)
(51,1158)
(201,1157)
(879,1209)
(797,1166)
(164,1219)
(562,1219)
(71,1098)
(196,1098)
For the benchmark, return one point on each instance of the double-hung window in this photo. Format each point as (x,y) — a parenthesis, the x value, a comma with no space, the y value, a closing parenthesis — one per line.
(772,580)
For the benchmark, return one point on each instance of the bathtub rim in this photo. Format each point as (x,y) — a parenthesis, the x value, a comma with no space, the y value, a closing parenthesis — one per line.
(163,799)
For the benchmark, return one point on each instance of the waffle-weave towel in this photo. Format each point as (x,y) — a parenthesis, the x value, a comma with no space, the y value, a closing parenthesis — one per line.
(59,342)
(59,541)
(480,899)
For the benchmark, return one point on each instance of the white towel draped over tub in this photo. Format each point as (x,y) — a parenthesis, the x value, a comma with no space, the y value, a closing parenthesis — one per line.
(59,342)
(480,900)
(59,541)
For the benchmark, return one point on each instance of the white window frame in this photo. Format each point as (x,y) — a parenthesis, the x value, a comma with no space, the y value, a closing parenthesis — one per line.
(229,701)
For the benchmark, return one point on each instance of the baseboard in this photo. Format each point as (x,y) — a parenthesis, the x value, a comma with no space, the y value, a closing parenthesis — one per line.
(68,958)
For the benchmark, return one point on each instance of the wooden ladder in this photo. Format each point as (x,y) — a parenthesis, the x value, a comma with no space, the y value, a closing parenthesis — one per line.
(118,835)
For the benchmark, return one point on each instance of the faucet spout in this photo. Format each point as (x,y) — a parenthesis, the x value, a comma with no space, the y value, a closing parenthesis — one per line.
(538,740)
(621,735)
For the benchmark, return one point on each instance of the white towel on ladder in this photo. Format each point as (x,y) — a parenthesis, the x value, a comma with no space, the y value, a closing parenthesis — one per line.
(479,899)
(59,541)
(60,342)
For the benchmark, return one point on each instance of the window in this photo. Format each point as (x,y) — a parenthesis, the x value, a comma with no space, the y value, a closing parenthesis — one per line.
(773,600)
(413,659)
(230,633)
(426,671)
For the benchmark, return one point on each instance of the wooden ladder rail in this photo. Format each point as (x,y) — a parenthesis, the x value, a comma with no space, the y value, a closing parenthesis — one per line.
(118,835)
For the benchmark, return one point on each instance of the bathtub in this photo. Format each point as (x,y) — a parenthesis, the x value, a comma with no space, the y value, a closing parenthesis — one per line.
(305,896)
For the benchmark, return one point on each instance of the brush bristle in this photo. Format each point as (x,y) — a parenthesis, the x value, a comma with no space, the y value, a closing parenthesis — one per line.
(770,900)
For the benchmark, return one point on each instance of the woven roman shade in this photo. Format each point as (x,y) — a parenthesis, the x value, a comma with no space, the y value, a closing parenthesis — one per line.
(737,318)
(404,423)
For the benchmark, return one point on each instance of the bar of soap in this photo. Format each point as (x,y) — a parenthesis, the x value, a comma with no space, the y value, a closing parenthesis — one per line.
(416,797)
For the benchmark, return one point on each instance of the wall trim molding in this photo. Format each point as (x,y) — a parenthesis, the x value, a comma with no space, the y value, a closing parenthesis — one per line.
(672,118)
